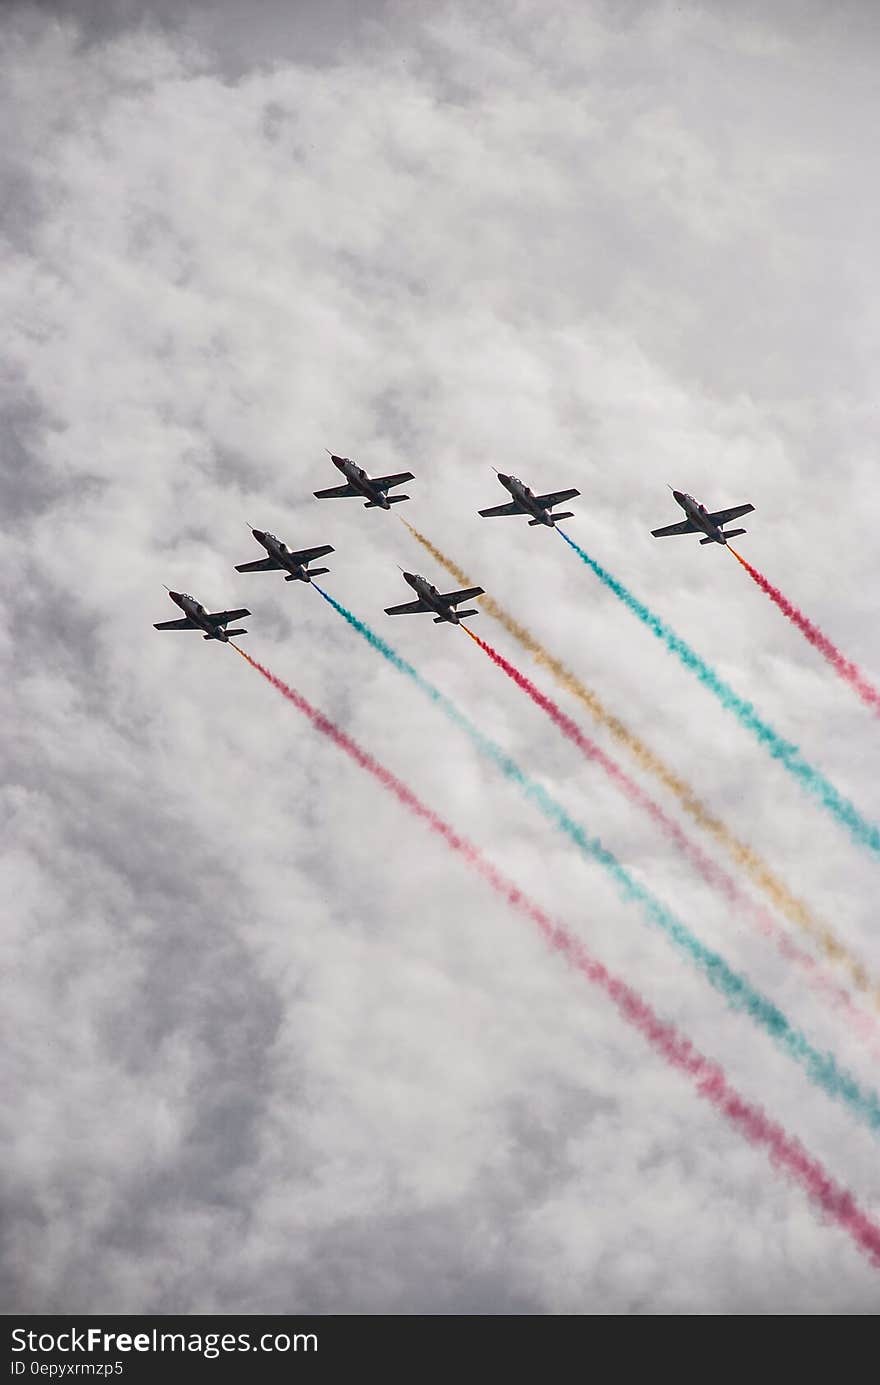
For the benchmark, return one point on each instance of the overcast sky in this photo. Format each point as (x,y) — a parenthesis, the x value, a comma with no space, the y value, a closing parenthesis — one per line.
(271,1048)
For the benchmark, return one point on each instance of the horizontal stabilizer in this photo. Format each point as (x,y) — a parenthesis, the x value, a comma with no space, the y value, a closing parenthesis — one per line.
(566,514)
(396,499)
(294,577)
(732,533)
(318,571)
(236,632)
(536,521)
(461,614)
(709,539)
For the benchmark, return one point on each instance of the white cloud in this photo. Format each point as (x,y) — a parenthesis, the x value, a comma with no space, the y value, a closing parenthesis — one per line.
(271,1047)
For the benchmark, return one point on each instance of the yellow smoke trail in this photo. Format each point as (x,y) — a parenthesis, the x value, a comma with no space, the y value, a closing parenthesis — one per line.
(757,869)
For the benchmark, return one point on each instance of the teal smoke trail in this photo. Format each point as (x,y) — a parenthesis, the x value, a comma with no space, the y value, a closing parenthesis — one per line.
(737,990)
(865,833)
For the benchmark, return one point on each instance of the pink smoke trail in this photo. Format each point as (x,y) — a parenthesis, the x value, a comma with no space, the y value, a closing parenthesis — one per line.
(713,874)
(837,1203)
(849,672)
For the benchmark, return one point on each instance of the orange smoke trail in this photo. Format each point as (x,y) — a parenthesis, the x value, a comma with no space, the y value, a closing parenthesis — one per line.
(794,909)
(841,665)
(708,1079)
(713,874)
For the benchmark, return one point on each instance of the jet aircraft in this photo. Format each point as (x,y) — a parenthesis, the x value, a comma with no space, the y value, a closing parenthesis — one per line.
(373,488)
(294,562)
(525,502)
(432,600)
(213,623)
(701,520)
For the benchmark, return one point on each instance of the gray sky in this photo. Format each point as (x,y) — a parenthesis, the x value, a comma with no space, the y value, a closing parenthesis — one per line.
(270,1048)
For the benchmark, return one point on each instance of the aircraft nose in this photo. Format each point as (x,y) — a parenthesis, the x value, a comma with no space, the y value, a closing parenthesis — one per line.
(502,477)
(175,596)
(678,495)
(410,577)
(258,534)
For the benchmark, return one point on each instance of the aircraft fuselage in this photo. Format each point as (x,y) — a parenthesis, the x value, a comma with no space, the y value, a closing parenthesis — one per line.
(699,516)
(197,613)
(430,595)
(526,497)
(281,553)
(357,477)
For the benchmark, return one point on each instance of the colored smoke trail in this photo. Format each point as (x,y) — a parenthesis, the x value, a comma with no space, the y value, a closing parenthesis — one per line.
(864,832)
(739,993)
(706,867)
(706,1076)
(794,909)
(841,665)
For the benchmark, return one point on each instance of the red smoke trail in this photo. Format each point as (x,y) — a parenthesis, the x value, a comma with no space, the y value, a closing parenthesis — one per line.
(848,671)
(707,1077)
(713,874)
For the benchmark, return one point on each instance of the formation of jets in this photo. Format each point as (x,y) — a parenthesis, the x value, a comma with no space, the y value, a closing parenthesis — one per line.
(294,563)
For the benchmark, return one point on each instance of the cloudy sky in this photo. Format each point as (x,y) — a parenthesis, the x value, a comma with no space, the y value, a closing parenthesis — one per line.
(270,1047)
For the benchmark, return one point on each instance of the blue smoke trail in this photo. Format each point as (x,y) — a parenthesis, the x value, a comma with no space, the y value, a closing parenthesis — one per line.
(737,990)
(864,832)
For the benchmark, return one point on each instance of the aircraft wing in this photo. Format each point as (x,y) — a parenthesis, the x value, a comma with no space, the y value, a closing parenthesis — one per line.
(259,565)
(224,617)
(383,483)
(455,597)
(407,609)
(685,527)
(335,491)
(184,624)
(555,498)
(722,516)
(514,508)
(305,555)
